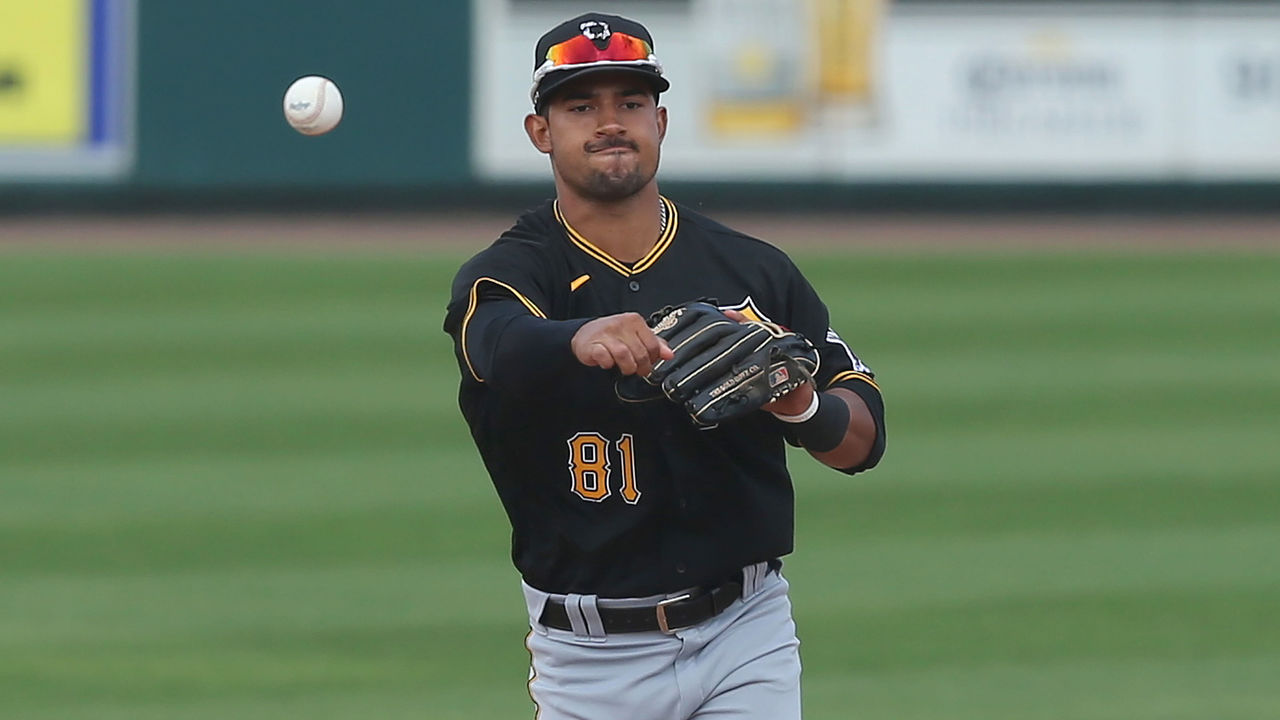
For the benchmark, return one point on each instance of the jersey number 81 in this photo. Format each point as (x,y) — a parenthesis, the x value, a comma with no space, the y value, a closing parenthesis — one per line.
(590,468)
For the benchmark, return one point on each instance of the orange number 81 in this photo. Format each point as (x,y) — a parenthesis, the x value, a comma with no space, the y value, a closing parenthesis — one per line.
(589,466)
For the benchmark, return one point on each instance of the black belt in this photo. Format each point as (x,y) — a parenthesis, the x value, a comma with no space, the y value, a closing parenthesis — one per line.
(666,616)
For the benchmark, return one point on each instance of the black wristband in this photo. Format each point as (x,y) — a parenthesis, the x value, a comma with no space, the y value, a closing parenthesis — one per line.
(826,429)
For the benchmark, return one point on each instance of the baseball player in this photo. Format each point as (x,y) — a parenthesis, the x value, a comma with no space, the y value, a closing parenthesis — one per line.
(649,545)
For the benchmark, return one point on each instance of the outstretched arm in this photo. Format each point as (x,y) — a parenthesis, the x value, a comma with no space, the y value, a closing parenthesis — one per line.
(504,345)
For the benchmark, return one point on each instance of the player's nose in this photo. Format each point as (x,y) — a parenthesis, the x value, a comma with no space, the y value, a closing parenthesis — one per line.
(610,129)
(610,135)
(609,122)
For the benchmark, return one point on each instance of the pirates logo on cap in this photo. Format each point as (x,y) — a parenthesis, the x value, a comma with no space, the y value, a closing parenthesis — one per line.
(597,32)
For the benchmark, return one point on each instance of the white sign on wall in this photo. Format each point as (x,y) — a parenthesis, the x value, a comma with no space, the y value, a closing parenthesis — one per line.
(1054,94)
(1233,109)
(864,90)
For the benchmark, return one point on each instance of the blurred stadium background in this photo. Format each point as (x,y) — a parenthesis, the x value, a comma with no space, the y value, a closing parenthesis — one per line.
(234,482)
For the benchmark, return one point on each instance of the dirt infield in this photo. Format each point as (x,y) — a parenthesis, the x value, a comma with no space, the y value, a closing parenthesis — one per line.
(462,233)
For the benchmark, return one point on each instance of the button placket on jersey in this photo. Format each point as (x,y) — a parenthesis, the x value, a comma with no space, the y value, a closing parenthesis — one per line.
(631,295)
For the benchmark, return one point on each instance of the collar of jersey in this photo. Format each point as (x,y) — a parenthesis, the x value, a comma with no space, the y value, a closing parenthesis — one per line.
(644,263)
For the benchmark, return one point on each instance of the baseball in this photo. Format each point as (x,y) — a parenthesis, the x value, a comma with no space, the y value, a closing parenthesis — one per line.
(313,105)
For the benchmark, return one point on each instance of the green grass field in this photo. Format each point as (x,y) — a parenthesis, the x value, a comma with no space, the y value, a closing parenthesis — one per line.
(238,487)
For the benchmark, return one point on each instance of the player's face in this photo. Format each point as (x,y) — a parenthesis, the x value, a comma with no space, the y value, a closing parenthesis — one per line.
(604,134)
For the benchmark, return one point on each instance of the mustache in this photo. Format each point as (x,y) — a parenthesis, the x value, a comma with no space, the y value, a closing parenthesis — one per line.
(613,141)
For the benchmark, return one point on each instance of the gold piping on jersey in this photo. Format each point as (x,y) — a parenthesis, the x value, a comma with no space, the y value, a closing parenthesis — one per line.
(471,308)
(644,263)
(573,286)
(853,375)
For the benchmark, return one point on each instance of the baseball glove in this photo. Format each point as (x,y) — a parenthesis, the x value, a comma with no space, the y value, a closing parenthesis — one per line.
(722,369)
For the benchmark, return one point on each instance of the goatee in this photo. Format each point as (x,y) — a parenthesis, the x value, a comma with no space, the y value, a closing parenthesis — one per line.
(602,185)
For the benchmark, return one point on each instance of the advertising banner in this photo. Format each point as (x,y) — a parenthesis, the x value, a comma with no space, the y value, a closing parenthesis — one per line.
(1233,107)
(65,89)
(869,90)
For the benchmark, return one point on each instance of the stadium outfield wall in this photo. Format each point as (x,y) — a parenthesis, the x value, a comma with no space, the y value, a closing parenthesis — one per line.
(857,104)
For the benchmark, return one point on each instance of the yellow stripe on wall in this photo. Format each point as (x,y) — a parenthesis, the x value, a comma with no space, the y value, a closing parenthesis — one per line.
(44,48)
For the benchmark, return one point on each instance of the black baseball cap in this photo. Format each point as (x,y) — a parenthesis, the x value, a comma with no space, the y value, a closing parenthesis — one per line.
(590,43)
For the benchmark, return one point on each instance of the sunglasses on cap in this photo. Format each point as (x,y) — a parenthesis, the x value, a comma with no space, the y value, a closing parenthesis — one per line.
(580,52)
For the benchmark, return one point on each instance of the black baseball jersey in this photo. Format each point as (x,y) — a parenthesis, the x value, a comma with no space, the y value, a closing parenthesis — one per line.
(628,499)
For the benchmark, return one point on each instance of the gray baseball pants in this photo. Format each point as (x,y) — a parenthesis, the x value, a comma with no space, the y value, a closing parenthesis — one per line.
(743,664)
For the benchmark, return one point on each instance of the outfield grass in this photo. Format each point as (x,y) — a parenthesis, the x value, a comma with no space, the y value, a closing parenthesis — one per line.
(239,487)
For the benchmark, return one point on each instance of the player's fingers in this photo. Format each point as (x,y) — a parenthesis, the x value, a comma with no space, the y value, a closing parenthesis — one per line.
(623,341)
(592,344)
(600,356)
(735,315)
(625,363)
(648,348)
(654,347)
(638,346)
(664,350)
(631,356)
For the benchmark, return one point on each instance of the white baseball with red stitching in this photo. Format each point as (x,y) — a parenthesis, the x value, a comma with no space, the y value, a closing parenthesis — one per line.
(313,105)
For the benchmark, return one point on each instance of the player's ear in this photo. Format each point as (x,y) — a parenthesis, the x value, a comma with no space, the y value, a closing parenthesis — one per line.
(662,123)
(539,132)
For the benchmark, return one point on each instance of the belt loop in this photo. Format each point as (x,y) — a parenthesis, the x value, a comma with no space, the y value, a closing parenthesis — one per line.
(591,613)
(573,608)
(584,617)
(753,578)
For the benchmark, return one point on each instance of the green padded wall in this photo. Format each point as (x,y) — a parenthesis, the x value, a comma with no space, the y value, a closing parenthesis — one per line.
(212,76)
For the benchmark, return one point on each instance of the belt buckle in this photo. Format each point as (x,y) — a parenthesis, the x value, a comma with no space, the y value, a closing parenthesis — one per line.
(661,610)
